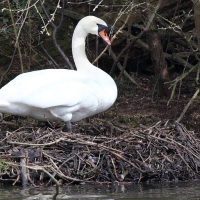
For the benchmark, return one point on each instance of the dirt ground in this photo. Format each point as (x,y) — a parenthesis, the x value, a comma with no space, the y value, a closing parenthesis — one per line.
(141,106)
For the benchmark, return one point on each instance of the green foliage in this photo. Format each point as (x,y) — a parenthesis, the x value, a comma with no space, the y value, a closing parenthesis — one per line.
(3,165)
(5,20)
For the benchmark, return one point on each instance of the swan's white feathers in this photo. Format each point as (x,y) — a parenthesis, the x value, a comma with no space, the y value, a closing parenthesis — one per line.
(71,89)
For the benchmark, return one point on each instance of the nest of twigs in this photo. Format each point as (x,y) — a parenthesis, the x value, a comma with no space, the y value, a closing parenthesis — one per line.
(104,153)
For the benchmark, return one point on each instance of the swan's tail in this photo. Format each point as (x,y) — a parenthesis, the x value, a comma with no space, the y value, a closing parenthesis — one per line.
(3,104)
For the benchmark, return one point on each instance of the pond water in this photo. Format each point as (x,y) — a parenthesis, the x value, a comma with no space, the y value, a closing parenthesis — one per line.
(166,191)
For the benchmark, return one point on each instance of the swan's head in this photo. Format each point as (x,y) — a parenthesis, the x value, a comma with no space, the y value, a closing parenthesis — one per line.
(96,26)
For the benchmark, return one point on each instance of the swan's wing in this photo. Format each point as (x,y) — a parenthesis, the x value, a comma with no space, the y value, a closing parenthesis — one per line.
(49,88)
(62,94)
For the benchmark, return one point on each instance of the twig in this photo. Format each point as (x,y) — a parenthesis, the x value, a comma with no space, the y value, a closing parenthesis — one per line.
(22,24)
(11,62)
(151,18)
(37,145)
(171,141)
(134,39)
(43,170)
(113,38)
(48,174)
(188,105)
(176,80)
(55,28)
(123,68)
(53,61)
(120,67)
(15,32)
(23,164)
(183,159)
(124,159)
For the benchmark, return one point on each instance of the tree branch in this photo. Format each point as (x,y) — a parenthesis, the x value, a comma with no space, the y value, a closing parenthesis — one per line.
(55,28)
(188,105)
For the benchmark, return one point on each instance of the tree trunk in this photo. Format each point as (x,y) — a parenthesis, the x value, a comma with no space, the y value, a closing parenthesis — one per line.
(157,55)
(159,63)
(197,19)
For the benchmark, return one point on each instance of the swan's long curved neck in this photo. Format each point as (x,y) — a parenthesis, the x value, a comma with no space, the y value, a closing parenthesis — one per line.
(78,48)
(82,63)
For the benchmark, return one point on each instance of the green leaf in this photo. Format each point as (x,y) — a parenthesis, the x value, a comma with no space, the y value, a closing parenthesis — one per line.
(50,62)
(10,29)
(5,20)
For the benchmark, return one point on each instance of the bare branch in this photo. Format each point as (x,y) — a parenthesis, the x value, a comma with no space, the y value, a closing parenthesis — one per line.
(55,28)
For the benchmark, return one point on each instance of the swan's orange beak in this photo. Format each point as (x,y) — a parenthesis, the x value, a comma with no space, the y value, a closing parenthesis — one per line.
(103,34)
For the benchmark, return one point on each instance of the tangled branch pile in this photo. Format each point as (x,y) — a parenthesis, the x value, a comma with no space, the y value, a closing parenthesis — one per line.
(163,152)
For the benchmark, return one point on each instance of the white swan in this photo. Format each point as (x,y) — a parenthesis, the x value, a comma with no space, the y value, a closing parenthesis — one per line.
(60,94)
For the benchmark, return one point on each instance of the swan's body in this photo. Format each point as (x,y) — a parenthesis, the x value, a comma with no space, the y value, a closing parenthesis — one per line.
(60,94)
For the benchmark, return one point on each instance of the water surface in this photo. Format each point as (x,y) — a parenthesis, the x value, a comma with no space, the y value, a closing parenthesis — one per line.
(158,191)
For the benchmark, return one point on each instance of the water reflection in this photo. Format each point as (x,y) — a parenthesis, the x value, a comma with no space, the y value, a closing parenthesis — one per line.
(178,191)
